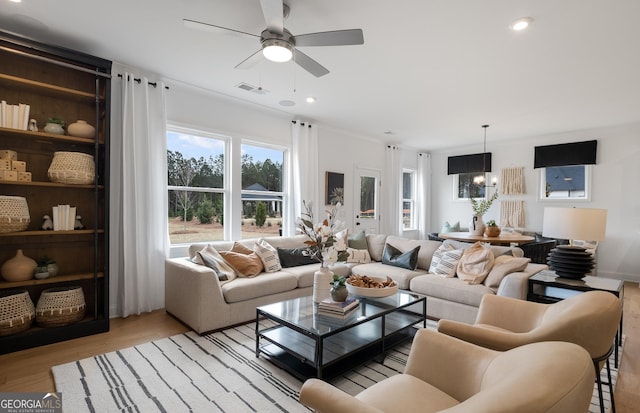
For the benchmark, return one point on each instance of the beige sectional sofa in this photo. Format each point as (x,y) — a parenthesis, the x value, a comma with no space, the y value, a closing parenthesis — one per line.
(195,295)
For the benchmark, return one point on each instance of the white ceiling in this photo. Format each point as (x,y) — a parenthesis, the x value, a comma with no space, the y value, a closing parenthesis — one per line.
(430,71)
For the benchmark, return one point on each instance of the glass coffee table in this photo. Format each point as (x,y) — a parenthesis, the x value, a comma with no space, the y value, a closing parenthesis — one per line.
(308,344)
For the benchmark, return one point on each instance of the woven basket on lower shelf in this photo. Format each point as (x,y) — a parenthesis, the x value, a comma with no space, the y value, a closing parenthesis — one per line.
(72,168)
(16,312)
(14,213)
(60,306)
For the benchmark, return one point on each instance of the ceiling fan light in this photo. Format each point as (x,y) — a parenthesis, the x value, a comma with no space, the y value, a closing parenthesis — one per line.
(277,50)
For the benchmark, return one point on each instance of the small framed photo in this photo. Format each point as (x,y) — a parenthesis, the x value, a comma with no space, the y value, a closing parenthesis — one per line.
(334,188)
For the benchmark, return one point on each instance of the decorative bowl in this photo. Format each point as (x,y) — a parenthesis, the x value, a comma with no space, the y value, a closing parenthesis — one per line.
(371,291)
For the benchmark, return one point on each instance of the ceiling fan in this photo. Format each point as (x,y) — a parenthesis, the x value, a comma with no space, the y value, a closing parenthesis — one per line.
(279,45)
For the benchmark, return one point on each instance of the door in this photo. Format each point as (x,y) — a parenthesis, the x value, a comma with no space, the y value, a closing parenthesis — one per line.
(366,203)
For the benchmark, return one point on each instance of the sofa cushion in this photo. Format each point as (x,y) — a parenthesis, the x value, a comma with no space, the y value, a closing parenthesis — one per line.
(358,241)
(401,276)
(450,289)
(210,257)
(303,273)
(445,261)
(395,257)
(475,264)
(502,266)
(427,248)
(376,243)
(294,257)
(243,289)
(358,256)
(269,255)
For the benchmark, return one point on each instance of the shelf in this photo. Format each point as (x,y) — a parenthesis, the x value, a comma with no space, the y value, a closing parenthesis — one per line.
(39,135)
(41,233)
(51,185)
(47,87)
(52,280)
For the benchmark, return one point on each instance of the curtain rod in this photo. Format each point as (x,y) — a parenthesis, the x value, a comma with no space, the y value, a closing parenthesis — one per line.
(154,84)
(301,123)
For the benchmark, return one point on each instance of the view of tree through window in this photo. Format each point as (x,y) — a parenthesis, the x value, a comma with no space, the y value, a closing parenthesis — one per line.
(262,195)
(408,199)
(195,169)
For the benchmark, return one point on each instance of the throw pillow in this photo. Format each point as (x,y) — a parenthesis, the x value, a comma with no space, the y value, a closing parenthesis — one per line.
(451,228)
(395,257)
(268,255)
(358,241)
(294,257)
(211,258)
(502,266)
(445,261)
(358,256)
(475,264)
(342,238)
(245,261)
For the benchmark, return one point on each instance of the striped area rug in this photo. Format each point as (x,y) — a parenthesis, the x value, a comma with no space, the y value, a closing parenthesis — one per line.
(214,373)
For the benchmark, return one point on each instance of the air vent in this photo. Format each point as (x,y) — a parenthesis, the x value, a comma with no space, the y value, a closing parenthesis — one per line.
(250,88)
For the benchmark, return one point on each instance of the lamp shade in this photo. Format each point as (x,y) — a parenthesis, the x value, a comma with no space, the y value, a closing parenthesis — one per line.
(575,223)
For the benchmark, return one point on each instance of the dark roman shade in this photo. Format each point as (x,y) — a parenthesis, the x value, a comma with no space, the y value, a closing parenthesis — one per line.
(578,153)
(478,162)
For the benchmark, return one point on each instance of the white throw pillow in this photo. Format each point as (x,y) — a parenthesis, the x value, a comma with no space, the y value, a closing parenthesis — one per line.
(358,256)
(475,264)
(445,261)
(269,255)
(342,238)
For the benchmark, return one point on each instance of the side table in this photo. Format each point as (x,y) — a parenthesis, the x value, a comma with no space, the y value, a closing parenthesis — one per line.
(546,287)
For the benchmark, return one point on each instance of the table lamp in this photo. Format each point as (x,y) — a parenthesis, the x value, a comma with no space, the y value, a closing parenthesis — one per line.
(570,261)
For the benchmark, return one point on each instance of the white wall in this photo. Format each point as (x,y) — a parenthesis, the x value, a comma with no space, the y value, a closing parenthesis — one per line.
(614,187)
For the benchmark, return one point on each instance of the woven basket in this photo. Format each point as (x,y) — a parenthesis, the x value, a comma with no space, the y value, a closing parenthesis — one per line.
(16,312)
(14,213)
(72,168)
(60,306)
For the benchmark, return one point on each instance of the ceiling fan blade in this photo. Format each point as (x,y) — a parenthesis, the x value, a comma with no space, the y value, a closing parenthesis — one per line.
(193,24)
(333,38)
(250,61)
(309,64)
(273,12)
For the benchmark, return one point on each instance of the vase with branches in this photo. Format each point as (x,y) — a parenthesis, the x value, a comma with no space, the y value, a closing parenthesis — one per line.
(322,236)
(480,207)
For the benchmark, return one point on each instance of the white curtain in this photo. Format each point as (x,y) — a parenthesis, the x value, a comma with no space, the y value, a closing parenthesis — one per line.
(138,240)
(392,194)
(423,195)
(303,182)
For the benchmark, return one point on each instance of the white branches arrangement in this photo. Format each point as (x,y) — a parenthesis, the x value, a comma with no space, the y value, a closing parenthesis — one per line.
(322,235)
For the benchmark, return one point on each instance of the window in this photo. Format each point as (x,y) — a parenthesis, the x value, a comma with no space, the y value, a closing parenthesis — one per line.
(464,186)
(196,184)
(565,182)
(262,194)
(408,199)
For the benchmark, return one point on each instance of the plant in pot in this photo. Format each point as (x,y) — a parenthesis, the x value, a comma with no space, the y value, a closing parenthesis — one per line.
(339,290)
(492,229)
(55,126)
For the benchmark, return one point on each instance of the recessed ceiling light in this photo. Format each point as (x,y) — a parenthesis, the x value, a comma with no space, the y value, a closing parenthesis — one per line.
(311,99)
(16,1)
(521,24)
(388,132)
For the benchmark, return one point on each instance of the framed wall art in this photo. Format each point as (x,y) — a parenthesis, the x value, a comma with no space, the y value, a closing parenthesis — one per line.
(334,188)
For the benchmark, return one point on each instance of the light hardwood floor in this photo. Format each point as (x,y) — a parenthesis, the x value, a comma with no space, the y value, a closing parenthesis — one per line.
(30,370)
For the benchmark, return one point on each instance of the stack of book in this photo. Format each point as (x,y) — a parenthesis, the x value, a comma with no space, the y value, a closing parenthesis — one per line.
(338,309)
(64,217)
(14,116)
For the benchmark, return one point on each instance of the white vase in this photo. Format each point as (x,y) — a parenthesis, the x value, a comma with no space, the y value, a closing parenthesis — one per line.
(322,284)
(54,128)
(476,226)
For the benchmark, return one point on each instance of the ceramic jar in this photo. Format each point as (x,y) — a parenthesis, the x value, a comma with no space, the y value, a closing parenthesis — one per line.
(54,128)
(81,129)
(18,268)
(322,284)
(41,272)
(339,294)
(476,226)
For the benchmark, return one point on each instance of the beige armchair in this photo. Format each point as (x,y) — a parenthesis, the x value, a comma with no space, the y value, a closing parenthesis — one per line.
(444,374)
(588,319)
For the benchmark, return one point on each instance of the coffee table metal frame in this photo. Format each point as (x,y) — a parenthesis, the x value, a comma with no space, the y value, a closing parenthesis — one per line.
(308,344)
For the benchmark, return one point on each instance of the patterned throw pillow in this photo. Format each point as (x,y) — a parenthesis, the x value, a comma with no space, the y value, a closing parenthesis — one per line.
(445,261)
(269,255)
(358,256)
(210,257)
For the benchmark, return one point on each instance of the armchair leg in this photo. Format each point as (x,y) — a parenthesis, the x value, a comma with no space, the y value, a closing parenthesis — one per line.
(596,366)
